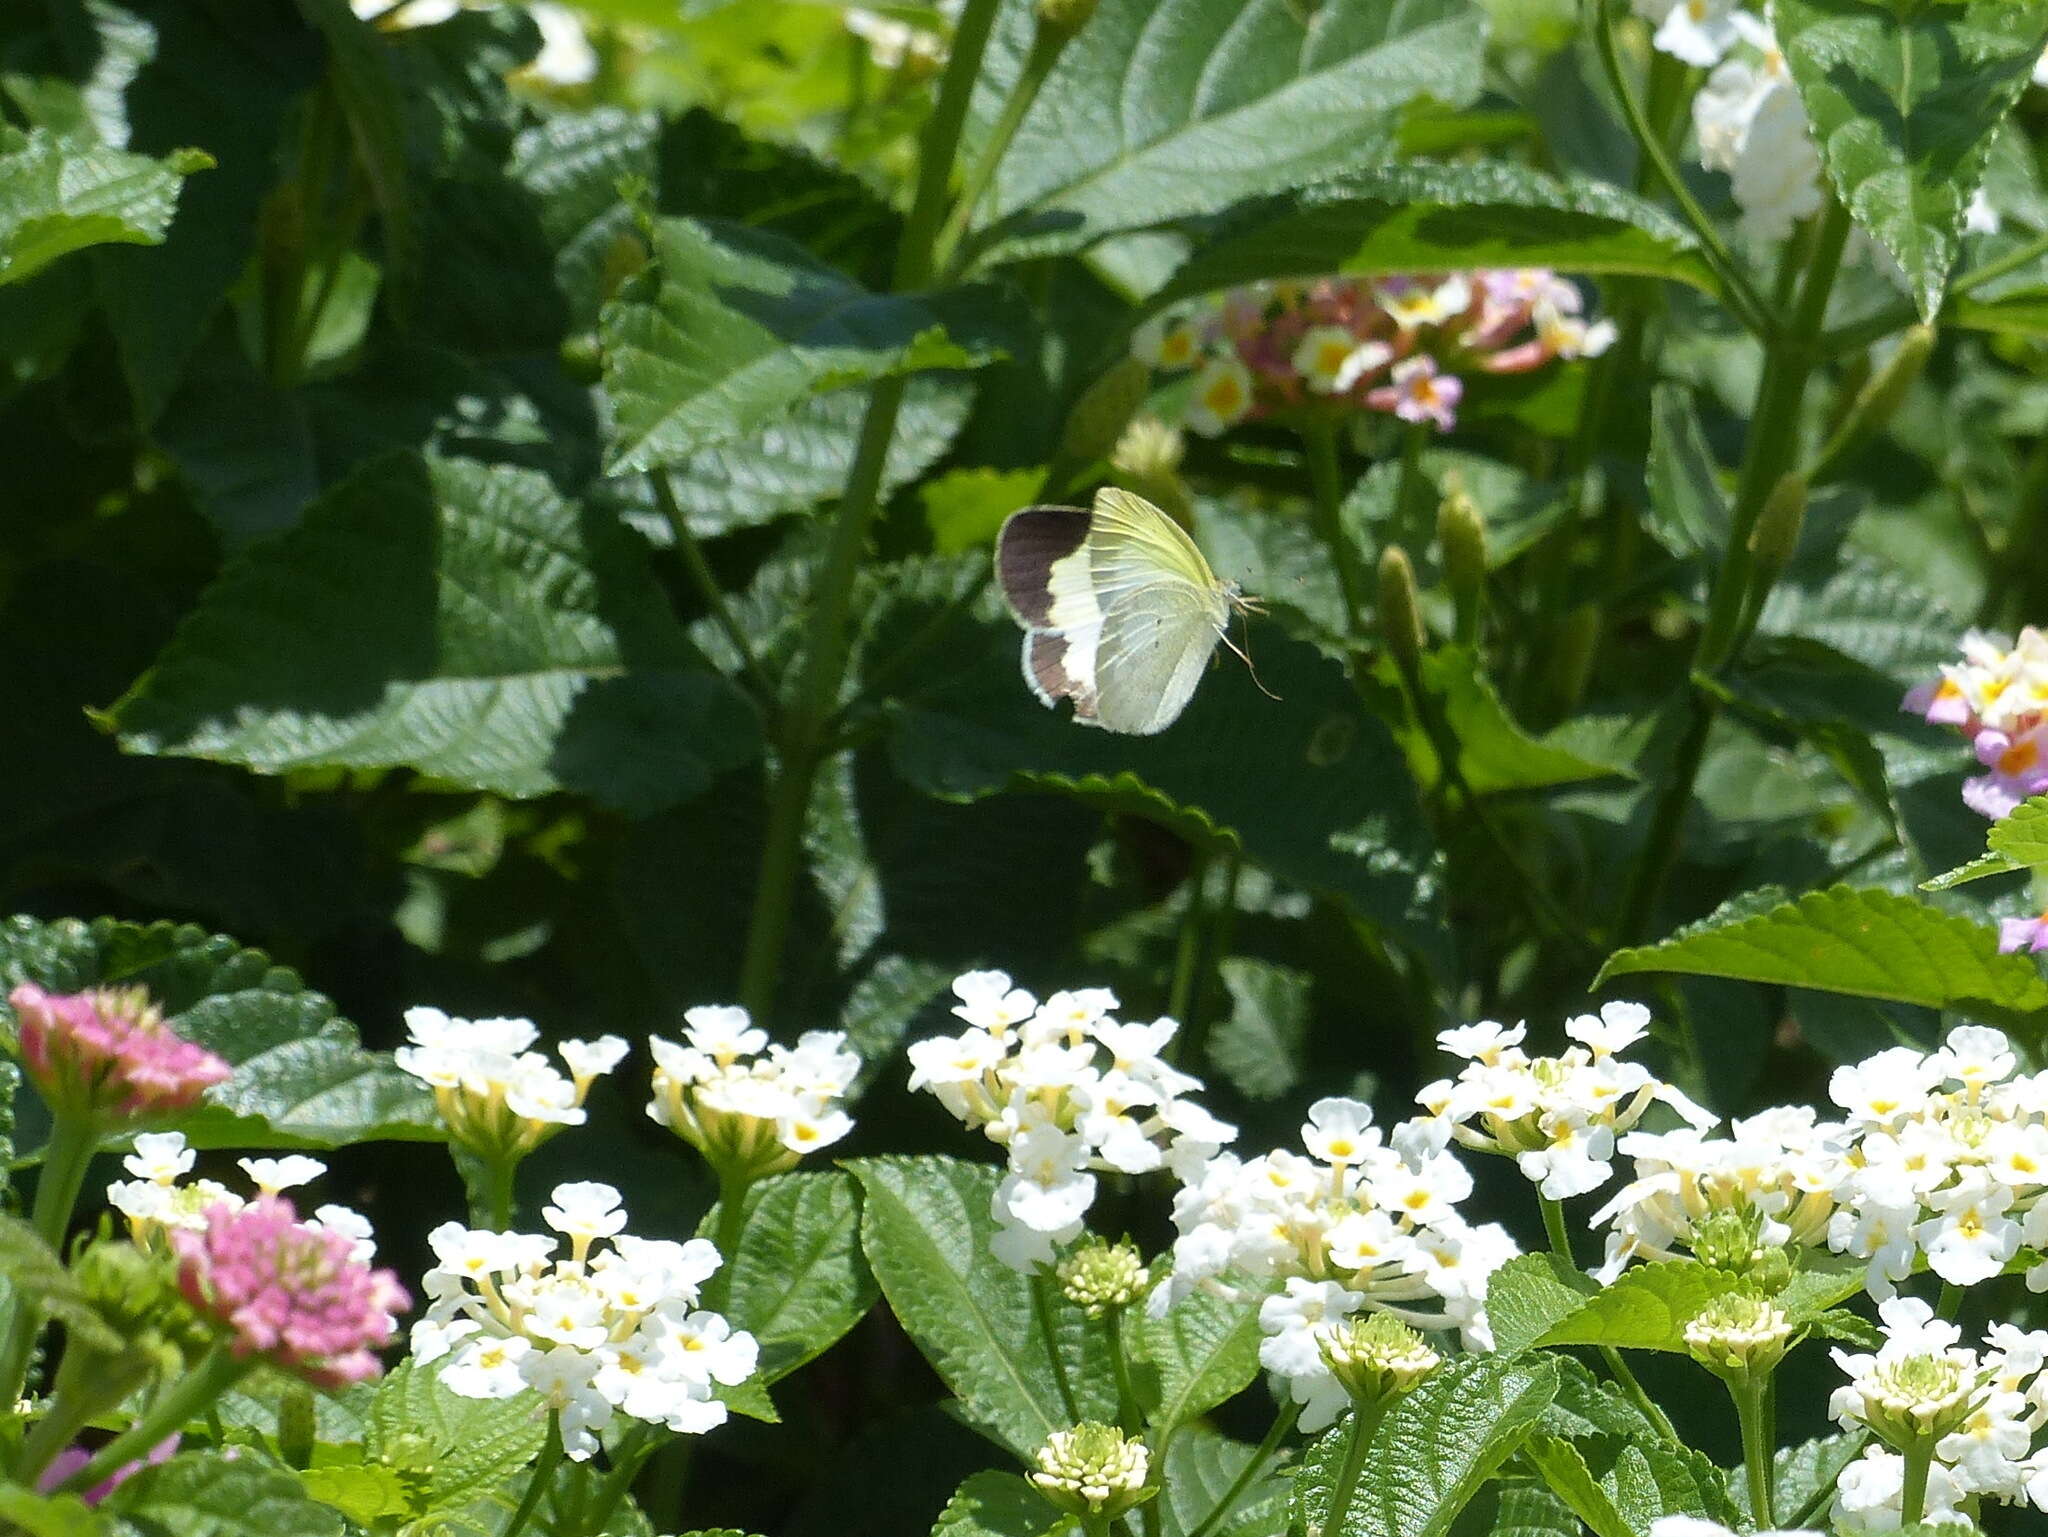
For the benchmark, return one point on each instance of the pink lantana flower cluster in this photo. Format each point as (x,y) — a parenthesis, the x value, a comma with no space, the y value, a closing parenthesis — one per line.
(1998,699)
(1399,345)
(291,1292)
(107,1054)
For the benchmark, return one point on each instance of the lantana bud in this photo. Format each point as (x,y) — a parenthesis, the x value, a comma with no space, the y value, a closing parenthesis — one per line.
(1461,535)
(1732,1241)
(1916,1399)
(1376,1357)
(107,1055)
(1738,1334)
(1093,1469)
(1400,613)
(1146,460)
(1099,1276)
(1063,18)
(1099,418)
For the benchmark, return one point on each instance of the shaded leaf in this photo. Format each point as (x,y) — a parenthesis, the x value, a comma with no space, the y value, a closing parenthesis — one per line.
(1205,1350)
(206,1494)
(730,327)
(301,1077)
(1259,1048)
(457,619)
(996,1505)
(1436,218)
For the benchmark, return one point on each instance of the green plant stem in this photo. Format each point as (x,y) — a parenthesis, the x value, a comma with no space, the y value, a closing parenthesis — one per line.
(1130,1417)
(1047,43)
(1737,290)
(706,583)
(1555,1230)
(538,1480)
(59,1424)
(1364,1422)
(805,734)
(499,1202)
(1913,1497)
(1949,1303)
(216,1372)
(1413,491)
(1772,450)
(1281,1428)
(1326,483)
(1753,1413)
(731,1229)
(1042,1313)
(73,1141)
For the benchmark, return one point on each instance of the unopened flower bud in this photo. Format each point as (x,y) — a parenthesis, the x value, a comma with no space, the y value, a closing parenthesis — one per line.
(1739,1333)
(1734,1243)
(1097,423)
(297,1428)
(1461,535)
(1099,1276)
(1400,613)
(1063,18)
(1375,1356)
(1146,461)
(1093,1470)
(107,1055)
(1776,535)
(1877,402)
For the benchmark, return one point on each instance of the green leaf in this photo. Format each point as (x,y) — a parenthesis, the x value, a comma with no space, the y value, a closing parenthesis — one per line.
(799,461)
(1530,1295)
(572,163)
(1867,942)
(1201,1466)
(454,618)
(449,1447)
(1494,753)
(996,1505)
(1433,1451)
(1651,1479)
(965,508)
(1564,1469)
(1822,1282)
(1904,103)
(2021,835)
(58,197)
(366,1493)
(1688,509)
(206,1494)
(59,1515)
(1205,1350)
(731,327)
(301,1076)
(1530,1510)
(798,1281)
(1349,822)
(31,1268)
(1173,108)
(1260,1048)
(926,1227)
(1436,218)
(1975,870)
(1645,1308)
(1806,1470)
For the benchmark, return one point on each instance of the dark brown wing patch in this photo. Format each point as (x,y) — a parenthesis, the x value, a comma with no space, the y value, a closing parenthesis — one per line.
(1031,543)
(1046,658)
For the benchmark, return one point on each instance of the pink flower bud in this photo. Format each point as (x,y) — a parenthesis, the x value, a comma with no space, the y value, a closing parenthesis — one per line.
(107,1053)
(289,1291)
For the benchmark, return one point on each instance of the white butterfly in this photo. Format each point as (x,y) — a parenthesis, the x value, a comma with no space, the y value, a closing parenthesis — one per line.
(1121,612)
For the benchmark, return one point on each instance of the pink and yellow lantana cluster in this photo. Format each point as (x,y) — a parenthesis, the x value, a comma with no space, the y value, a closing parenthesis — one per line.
(1400,345)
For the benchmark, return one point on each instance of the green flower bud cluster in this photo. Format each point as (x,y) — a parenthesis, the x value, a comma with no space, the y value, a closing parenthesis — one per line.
(1093,1470)
(1099,1276)
(1739,1334)
(1376,1357)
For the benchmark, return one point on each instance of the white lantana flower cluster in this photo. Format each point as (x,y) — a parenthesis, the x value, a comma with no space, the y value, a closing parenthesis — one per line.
(1950,1161)
(1068,1091)
(1364,1223)
(1557,1117)
(751,1108)
(160,1199)
(566,57)
(1981,1408)
(1779,1169)
(598,1331)
(499,1097)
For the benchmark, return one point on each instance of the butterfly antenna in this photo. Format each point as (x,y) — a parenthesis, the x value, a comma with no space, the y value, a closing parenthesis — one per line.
(1244,652)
